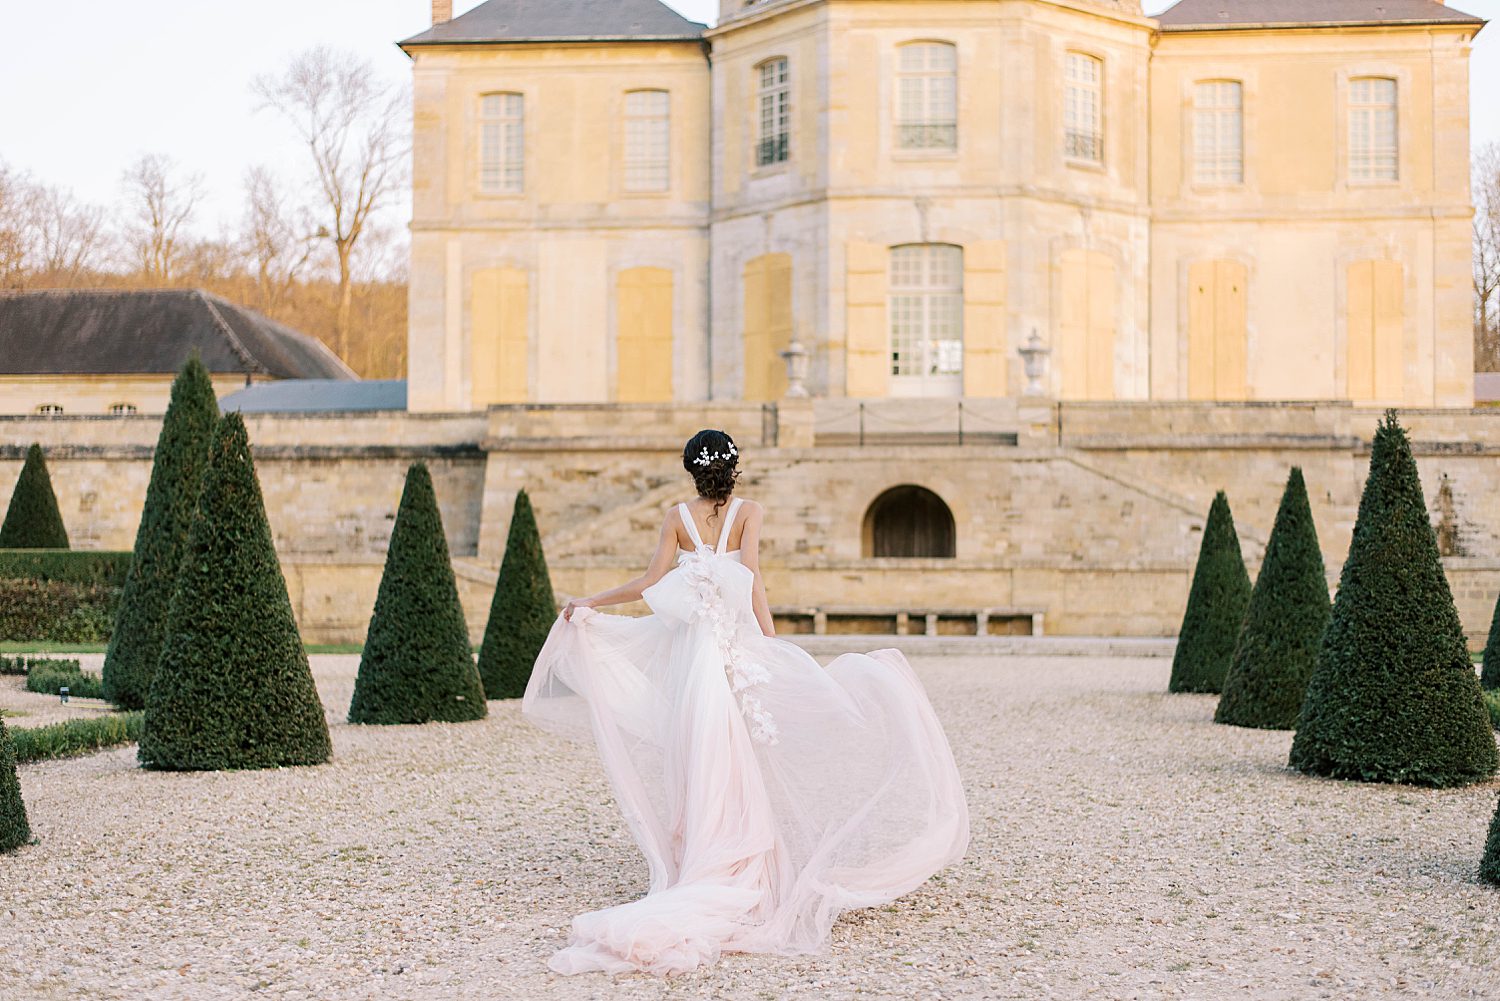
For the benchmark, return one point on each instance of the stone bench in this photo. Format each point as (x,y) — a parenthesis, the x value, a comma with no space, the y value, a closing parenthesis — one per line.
(867,620)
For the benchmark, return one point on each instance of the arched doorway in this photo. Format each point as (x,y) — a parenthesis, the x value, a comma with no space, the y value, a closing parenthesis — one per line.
(908,521)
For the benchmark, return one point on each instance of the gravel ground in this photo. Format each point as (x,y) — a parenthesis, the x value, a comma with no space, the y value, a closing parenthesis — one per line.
(25,708)
(1123,847)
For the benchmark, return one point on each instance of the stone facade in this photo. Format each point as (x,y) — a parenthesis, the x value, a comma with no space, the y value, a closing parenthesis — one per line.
(1092,517)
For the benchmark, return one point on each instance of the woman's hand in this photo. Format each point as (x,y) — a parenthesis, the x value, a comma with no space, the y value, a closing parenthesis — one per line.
(576,603)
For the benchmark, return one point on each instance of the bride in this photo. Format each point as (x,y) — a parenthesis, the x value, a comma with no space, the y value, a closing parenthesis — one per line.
(767,793)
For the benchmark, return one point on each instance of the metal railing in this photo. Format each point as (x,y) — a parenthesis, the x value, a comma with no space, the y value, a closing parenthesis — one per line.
(916,422)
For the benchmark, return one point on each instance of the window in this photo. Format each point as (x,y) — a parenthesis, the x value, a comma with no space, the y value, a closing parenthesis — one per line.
(502,143)
(648,142)
(50,409)
(1218,143)
(1372,129)
(927,95)
(927,310)
(1083,127)
(122,409)
(775,113)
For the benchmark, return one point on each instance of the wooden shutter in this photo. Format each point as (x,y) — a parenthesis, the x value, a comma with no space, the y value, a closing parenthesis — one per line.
(985,355)
(867,348)
(643,337)
(498,332)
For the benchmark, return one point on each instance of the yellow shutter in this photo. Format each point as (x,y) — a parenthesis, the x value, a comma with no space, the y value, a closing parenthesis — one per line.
(1073,318)
(1101,326)
(768,325)
(643,340)
(1230,336)
(984,318)
(1201,331)
(867,349)
(1389,329)
(497,316)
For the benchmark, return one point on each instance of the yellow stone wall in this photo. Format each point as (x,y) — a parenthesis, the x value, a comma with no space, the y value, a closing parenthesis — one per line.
(94,394)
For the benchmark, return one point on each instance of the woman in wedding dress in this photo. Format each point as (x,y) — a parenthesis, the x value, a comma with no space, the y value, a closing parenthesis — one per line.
(767,793)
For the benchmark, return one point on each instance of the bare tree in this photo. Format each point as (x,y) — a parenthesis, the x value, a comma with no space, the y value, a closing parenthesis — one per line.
(18,212)
(68,234)
(353,126)
(164,203)
(1487,258)
(277,239)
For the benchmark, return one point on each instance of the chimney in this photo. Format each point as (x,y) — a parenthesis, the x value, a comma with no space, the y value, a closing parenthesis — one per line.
(442,11)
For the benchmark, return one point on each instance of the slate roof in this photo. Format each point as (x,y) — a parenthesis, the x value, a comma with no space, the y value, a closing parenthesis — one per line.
(1198,15)
(317,396)
(562,21)
(120,332)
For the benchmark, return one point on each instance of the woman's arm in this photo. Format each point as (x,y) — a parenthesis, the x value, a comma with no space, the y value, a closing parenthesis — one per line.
(750,557)
(661,562)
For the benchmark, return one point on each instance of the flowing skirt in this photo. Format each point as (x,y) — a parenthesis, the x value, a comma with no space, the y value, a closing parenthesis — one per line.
(766,792)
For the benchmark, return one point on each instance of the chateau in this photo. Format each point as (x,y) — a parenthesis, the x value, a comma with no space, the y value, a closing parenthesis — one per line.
(1238,200)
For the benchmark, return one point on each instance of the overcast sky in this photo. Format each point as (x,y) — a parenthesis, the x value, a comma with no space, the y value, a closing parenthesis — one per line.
(88,85)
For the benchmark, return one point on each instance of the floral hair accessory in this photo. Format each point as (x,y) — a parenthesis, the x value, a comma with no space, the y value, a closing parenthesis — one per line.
(705,457)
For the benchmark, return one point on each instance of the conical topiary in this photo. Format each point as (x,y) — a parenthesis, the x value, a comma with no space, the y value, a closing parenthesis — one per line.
(1278,644)
(33,521)
(1489,866)
(233,688)
(1489,677)
(176,476)
(521,611)
(1393,696)
(1215,607)
(417,664)
(14,830)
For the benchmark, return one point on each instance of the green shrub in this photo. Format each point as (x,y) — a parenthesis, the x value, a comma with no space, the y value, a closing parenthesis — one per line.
(1489,678)
(33,521)
(71,566)
(1489,866)
(417,665)
(23,664)
(1393,696)
(521,612)
(1492,703)
(1278,644)
(233,688)
(75,736)
(47,680)
(161,539)
(1215,607)
(14,830)
(56,611)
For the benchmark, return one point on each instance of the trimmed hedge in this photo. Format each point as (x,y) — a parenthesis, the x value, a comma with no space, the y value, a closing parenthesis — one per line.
(48,678)
(33,521)
(233,688)
(1489,678)
(26,664)
(1489,866)
(73,737)
(1289,607)
(1492,703)
(161,538)
(1215,608)
(14,829)
(104,567)
(56,611)
(417,665)
(522,610)
(1393,696)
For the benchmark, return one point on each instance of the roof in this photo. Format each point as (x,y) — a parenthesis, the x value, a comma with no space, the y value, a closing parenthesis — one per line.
(317,396)
(563,21)
(1199,15)
(119,332)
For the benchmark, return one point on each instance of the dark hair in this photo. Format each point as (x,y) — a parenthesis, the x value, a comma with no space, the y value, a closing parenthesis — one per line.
(712,457)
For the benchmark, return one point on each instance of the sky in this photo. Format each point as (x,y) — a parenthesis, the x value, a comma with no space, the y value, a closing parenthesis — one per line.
(87,86)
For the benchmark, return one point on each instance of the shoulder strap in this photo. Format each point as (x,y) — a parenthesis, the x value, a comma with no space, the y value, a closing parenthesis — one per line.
(692,527)
(734,506)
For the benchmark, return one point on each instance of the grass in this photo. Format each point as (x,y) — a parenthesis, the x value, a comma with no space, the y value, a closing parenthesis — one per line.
(73,737)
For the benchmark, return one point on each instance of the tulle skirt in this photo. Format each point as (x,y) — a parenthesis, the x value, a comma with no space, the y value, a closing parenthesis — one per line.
(767,793)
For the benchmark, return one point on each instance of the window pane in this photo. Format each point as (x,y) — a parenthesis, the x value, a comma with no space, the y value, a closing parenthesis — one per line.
(501,143)
(927,96)
(1082,118)
(1217,132)
(1373,137)
(775,113)
(926,310)
(647,140)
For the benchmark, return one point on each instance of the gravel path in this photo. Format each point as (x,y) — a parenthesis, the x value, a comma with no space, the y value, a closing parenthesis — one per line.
(1123,847)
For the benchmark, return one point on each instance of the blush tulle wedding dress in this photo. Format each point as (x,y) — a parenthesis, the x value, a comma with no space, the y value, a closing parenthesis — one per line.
(767,793)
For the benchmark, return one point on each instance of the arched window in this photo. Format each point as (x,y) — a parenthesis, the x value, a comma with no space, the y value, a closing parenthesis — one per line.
(1373,149)
(648,140)
(1083,115)
(122,409)
(927,96)
(775,104)
(927,319)
(50,409)
(502,143)
(1218,132)
(909,521)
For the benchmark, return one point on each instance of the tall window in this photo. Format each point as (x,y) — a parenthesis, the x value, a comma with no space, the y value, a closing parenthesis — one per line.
(927,318)
(1083,121)
(502,143)
(927,95)
(1372,129)
(1218,132)
(775,112)
(648,143)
